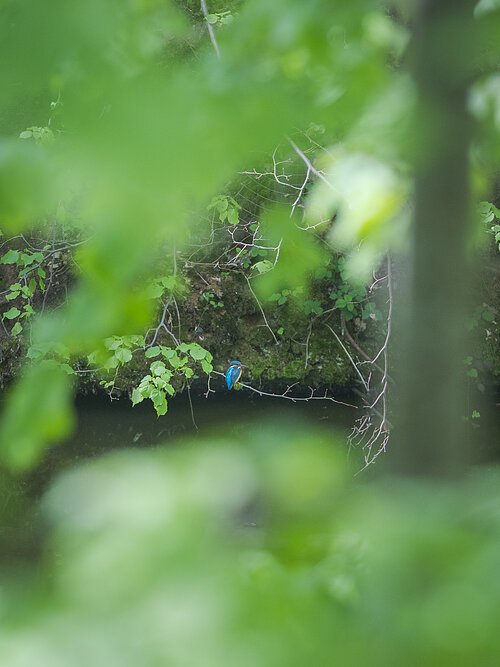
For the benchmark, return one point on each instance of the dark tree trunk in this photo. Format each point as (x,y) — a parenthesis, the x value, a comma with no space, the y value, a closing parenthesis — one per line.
(431,436)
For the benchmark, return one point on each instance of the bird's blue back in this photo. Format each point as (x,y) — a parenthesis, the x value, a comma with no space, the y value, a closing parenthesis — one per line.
(233,375)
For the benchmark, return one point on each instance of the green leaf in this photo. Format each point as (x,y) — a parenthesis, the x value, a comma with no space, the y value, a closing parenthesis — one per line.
(111,363)
(158,368)
(137,340)
(488,315)
(212,18)
(10,257)
(154,291)
(113,343)
(145,387)
(197,352)
(123,355)
(12,313)
(92,358)
(263,266)
(28,258)
(16,329)
(137,397)
(160,403)
(34,352)
(28,310)
(27,134)
(169,282)
(152,352)
(232,216)
(175,361)
(207,366)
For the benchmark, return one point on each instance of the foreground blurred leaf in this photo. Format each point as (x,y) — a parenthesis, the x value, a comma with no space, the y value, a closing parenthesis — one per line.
(266,554)
(39,408)
(26,184)
(300,253)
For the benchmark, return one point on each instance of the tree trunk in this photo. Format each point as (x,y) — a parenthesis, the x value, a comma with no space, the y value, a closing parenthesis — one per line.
(431,438)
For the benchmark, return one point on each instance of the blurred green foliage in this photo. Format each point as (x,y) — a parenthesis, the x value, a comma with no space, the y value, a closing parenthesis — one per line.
(261,552)
(118,118)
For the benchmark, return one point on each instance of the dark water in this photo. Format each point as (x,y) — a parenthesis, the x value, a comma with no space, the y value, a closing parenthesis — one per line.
(105,425)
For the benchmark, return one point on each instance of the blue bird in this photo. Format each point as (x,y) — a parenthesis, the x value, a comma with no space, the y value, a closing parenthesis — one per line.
(233,373)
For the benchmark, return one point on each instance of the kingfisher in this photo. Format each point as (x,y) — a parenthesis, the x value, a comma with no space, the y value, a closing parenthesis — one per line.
(233,373)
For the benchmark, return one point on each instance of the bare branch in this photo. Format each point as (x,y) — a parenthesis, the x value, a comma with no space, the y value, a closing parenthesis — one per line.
(294,399)
(310,165)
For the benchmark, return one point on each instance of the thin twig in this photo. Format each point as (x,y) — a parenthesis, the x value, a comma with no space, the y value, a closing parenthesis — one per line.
(358,347)
(191,407)
(355,366)
(210,28)
(310,165)
(209,389)
(301,191)
(306,360)
(389,317)
(261,309)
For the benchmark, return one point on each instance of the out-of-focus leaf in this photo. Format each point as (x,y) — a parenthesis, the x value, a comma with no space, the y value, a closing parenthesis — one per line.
(27,185)
(300,253)
(39,410)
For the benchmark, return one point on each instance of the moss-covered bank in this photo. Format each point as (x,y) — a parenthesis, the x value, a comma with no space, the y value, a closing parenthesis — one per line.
(286,347)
